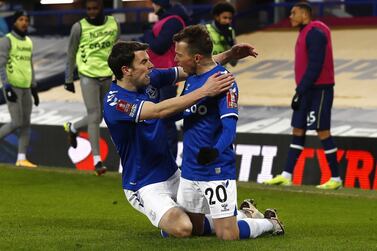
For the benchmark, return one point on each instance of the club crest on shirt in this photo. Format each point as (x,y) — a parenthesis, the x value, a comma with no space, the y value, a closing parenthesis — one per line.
(232,98)
(124,106)
(151,92)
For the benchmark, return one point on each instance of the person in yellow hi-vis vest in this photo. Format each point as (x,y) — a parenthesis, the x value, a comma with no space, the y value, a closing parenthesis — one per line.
(220,29)
(17,77)
(90,44)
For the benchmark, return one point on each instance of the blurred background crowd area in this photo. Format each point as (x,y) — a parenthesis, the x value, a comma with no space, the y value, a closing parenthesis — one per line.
(268,80)
(50,17)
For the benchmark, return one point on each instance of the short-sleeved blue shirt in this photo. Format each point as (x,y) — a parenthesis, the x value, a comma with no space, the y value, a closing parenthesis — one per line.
(142,145)
(202,128)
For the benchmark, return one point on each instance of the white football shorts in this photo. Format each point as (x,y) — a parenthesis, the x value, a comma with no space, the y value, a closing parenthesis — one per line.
(156,199)
(217,198)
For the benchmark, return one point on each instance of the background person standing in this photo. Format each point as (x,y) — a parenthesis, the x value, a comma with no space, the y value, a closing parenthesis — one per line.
(171,20)
(90,44)
(312,102)
(220,30)
(18,79)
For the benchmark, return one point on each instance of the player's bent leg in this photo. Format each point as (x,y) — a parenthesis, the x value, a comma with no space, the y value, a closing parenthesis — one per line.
(295,149)
(226,228)
(157,202)
(253,228)
(176,222)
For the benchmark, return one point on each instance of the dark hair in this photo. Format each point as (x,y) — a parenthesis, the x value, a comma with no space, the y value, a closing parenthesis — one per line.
(305,6)
(222,7)
(99,2)
(18,14)
(123,54)
(197,38)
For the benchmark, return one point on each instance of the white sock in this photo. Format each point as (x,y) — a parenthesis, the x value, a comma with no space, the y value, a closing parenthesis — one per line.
(73,129)
(21,156)
(258,226)
(96,158)
(240,215)
(336,179)
(286,175)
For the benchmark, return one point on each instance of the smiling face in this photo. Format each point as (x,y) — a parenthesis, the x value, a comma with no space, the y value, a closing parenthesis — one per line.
(138,73)
(184,58)
(22,23)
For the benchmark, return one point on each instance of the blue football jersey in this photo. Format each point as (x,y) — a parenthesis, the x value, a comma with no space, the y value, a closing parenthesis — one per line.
(202,128)
(142,145)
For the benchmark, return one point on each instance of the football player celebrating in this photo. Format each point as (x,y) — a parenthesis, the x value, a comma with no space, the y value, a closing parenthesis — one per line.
(132,113)
(208,180)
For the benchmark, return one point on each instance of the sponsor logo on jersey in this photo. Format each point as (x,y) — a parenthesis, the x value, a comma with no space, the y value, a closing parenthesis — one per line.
(232,98)
(124,106)
(151,92)
(224,207)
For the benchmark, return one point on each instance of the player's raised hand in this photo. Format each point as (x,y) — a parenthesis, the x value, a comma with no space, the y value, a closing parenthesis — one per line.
(243,50)
(218,83)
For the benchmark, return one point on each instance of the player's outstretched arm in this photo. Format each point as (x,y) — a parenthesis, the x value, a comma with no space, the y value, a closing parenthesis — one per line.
(215,85)
(237,52)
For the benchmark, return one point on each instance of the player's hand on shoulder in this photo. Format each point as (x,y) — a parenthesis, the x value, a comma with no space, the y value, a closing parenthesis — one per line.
(218,83)
(207,155)
(69,87)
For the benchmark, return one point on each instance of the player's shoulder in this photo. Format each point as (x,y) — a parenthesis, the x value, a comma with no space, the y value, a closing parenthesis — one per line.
(224,70)
(220,68)
(316,32)
(114,95)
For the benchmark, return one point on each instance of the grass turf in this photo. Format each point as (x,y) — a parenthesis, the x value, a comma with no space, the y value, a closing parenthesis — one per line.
(64,209)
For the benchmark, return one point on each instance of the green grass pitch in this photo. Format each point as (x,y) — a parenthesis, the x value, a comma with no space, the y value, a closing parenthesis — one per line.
(64,209)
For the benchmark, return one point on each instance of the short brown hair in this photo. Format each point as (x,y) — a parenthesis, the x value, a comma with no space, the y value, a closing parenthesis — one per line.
(198,39)
(123,54)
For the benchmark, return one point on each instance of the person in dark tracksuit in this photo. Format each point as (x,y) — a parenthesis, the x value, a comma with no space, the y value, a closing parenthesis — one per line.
(312,103)
(90,44)
(19,85)
(171,20)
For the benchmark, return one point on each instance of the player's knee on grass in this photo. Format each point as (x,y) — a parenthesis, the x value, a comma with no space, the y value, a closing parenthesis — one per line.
(228,234)
(176,222)
(226,228)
